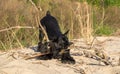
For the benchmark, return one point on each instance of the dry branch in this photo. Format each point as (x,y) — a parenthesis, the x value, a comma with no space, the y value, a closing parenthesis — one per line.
(35,55)
(37,16)
(16,27)
(37,9)
(27,56)
(105,61)
(92,55)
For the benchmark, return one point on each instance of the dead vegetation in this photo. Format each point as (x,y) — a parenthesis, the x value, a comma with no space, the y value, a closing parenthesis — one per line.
(85,21)
(93,48)
(87,59)
(94,52)
(24,13)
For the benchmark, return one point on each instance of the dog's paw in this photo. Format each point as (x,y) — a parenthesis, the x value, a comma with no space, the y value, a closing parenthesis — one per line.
(68,60)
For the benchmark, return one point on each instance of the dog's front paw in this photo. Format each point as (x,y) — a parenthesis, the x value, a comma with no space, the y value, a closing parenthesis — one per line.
(68,60)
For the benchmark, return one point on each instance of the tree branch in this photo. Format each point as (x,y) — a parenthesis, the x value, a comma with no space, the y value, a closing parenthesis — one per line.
(41,27)
(16,27)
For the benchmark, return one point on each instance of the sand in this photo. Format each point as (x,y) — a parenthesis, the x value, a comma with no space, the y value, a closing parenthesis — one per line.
(84,65)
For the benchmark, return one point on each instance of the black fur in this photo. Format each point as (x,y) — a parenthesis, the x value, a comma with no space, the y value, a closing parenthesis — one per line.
(58,41)
(51,26)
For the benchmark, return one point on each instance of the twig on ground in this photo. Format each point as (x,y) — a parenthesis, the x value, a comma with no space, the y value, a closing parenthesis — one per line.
(105,61)
(17,55)
(97,57)
(34,55)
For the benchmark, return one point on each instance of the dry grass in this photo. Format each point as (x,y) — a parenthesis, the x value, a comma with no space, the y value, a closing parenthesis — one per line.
(84,15)
(73,15)
(16,27)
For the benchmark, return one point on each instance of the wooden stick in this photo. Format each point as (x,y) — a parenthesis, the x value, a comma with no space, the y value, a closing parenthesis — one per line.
(35,5)
(35,55)
(106,62)
(16,27)
(37,9)
(98,58)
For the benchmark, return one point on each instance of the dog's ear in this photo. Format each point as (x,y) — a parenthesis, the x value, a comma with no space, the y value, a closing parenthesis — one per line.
(66,32)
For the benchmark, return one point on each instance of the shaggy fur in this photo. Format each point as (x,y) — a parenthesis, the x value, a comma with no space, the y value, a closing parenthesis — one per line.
(58,41)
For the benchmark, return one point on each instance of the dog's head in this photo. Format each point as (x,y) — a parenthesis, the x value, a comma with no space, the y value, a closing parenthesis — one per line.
(63,41)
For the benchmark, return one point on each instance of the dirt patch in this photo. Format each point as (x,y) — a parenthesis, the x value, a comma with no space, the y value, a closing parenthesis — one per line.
(84,65)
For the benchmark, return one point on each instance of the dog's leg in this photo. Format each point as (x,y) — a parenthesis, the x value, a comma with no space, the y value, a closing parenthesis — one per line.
(66,57)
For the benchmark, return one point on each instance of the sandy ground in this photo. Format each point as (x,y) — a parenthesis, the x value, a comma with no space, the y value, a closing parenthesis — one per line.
(84,65)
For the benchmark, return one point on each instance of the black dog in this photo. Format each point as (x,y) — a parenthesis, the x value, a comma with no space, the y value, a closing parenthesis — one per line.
(59,42)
